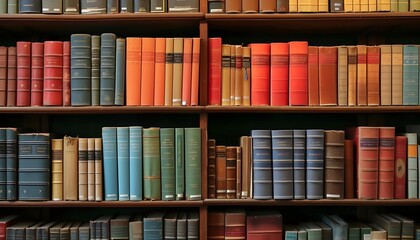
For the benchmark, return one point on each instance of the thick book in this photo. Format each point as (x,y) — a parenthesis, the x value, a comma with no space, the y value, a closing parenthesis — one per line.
(412,165)
(93,6)
(407,226)
(107,69)
(299,163)
(153,225)
(282,6)
(314,163)
(373,75)
(5,222)
(112,6)
(158,6)
(250,6)
(110,163)
(170,225)
(151,164)
(66,74)
(214,71)
(71,6)
(389,223)
(334,164)
(119,98)
(123,164)
(12,6)
(337,5)
(282,154)
(23,95)
(231,172)
(181,226)
(126,6)
(211,168)
(226,69)
(193,163)
(290,232)
(342,76)
(34,166)
(30,6)
(352,75)
(91,169)
(397,74)
(313,230)
(53,73)
(141,6)
(268,6)
(3,164)
(349,169)
(386,162)
(233,6)
(70,168)
(167,158)
(235,224)
(262,164)
(169,67)
(260,74)
(11,76)
(64,232)
(193,226)
(148,72)
(264,225)
(221,172)
(135,228)
(98,170)
(133,70)
(136,162)
(386,75)
(410,79)
(57,169)
(298,74)
(361,75)
(160,64)
(328,76)
(308,6)
(52,6)
(313,76)
(37,73)
(340,228)
(11,164)
(279,77)
(119,227)
(326,230)
(186,73)
(400,174)
(177,72)
(216,225)
(81,63)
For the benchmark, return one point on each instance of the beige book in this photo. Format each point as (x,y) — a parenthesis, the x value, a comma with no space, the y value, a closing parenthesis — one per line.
(394,5)
(177,71)
(322,5)
(246,76)
(384,5)
(238,75)
(293,6)
(361,75)
(356,5)
(98,170)
(232,74)
(348,5)
(352,75)
(378,233)
(342,76)
(307,6)
(364,5)
(226,75)
(373,5)
(397,74)
(57,169)
(83,169)
(386,75)
(70,168)
(91,169)
(169,66)
(373,75)
(245,142)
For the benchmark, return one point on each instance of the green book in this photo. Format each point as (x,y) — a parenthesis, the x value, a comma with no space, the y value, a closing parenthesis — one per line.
(314,232)
(12,6)
(180,164)
(390,224)
(151,164)
(354,231)
(407,226)
(403,5)
(193,163)
(119,99)
(3,7)
(290,232)
(167,161)
(364,230)
(302,233)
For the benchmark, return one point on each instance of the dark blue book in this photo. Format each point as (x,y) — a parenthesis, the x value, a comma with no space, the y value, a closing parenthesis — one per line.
(314,164)
(123,163)
(282,147)
(262,170)
(410,75)
(30,6)
(120,73)
(80,69)
(107,69)
(136,163)
(11,163)
(34,166)
(153,226)
(109,139)
(299,156)
(126,6)
(167,162)
(3,164)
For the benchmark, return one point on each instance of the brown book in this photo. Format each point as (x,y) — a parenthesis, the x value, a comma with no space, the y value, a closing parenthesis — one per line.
(249,6)
(221,172)
(246,166)
(334,164)
(386,75)
(235,224)
(352,75)
(246,76)
(231,172)
(397,74)
(373,64)
(98,170)
(177,71)
(349,169)
(91,169)
(216,225)
(70,168)
(11,76)
(282,6)
(83,169)
(211,168)
(342,76)
(361,75)
(238,75)
(313,76)
(233,6)
(232,75)
(337,5)
(238,172)
(226,75)
(264,225)
(3,76)
(216,6)
(328,76)
(57,169)
(268,6)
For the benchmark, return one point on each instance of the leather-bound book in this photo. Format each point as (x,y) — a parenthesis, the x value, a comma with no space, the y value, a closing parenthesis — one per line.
(126,6)
(397,74)
(226,76)
(349,169)
(235,224)
(313,75)
(186,73)
(148,73)
(308,5)
(260,74)
(231,172)
(23,94)
(83,169)
(373,75)
(298,74)
(262,165)
(268,6)
(238,76)
(215,71)
(216,6)
(3,76)
(337,5)
(334,164)
(98,170)
(183,5)
(158,6)
(221,175)
(133,71)
(361,75)
(169,67)
(386,75)
(299,150)
(71,6)
(170,225)
(66,74)
(216,225)
(57,169)
(160,62)
(93,6)
(12,6)
(352,75)
(136,227)
(364,5)
(400,167)
(386,162)
(238,172)
(177,71)
(233,6)
(53,73)
(181,226)
(3,165)
(246,76)
(232,75)
(249,6)
(279,90)
(282,6)
(30,6)
(11,76)
(356,5)
(211,168)
(348,5)
(323,5)
(264,225)
(246,166)
(373,5)
(52,6)
(195,72)
(70,168)
(328,76)
(11,164)
(193,226)
(342,74)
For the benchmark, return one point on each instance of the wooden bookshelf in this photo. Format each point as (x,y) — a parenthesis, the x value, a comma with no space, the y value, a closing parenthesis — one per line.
(321,202)
(313,109)
(103,204)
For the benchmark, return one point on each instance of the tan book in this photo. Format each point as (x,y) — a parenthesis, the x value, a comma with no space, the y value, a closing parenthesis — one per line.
(373,5)
(70,168)
(307,6)
(221,172)
(342,76)
(293,6)
(394,5)
(268,6)
(361,75)
(226,75)
(397,74)
(233,6)
(386,75)
(98,170)
(356,5)
(246,166)
(384,5)
(246,76)
(230,172)
(249,6)
(169,66)
(83,169)
(364,5)
(177,71)
(238,75)
(57,169)
(378,233)
(232,75)
(91,169)
(348,5)
(352,75)
(322,5)
(238,172)
(373,82)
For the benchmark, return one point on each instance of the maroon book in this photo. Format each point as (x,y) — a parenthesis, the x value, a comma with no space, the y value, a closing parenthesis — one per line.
(400,167)
(216,225)
(66,74)
(53,73)
(264,226)
(235,224)
(11,76)
(23,87)
(3,75)
(37,73)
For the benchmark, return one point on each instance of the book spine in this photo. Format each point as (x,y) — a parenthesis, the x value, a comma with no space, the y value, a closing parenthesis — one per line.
(233,6)
(216,225)
(282,147)
(235,223)
(410,75)
(386,75)
(260,73)
(314,164)
(373,77)
(348,5)
(91,169)
(153,228)
(193,226)
(342,76)
(53,73)
(334,164)
(313,75)
(195,72)
(109,138)
(299,147)
(3,7)
(12,6)
(148,71)
(57,169)
(93,7)
(37,73)
(211,168)
(221,174)
(81,64)
(386,162)
(237,98)
(30,6)
(11,164)
(123,155)
(232,75)
(136,230)
(282,6)
(95,69)
(71,6)
(51,6)
(268,6)
(3,76)
(3,165)
(23,74)
(167,158)
(279,95)
(412,165)
(141,6)
(214,71)
(186,72)
(177,72)
(112,6)
(181,226)
(179,163)
(119,99)
(83,169)
(70,168)
(298,74)
(231,172)
(98,170)
(226,74)
(126,6)
(66,74)
(160,65)
(246,76)
(238,172)
(169,66)
(169,227)
(337,6)
(400,167)
(397,74)
(136,163)
(262,164)
(151,164)
(158,6)
(349,169)
(352,75)
(133,70)
(107,69)
(11,76)
(361,76)
(384,5)
(403,5)
(373,5)
(328,76)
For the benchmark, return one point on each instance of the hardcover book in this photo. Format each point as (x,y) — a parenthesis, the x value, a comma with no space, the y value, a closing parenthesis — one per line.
(57,169)
(30,6)
(279,77)
(250,6)
(298,76)
(93,6)
(334,164)
(107,69)
(37,73)
(183,6)
(314,164)
(211,168)
(52,6)
(81,63)
(53,73)
(110,163)
(221,172)
(262,165)
(282,147)
(151,164)
(264,225)
(260,73)
(23,74)
(70,168)
(123,165)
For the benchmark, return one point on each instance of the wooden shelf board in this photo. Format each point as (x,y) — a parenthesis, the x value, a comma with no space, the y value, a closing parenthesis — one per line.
(104,204)
(322,202)
(311,109)
(100,17)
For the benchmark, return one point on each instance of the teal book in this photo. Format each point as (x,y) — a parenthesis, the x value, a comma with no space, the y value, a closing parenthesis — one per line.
(151,164)
(34,166)
(193,163)
(3,7)
(136,163)
(180,164)
(12,6)
(107,69)
(3,164)
(123,163)
(109,141)
(74,230)
(120,73)
(11,163)
(167,159)
(290,232)
(340,228)
(95,70)
(314,232)
(153,226)
(412,165)
(80,69)
(354,231)
(410,75)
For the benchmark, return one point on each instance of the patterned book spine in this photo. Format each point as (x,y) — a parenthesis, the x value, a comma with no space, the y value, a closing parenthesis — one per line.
(314,164)
(232,75)
(91,169)
(23,74)
(53,73)
(109,137)
(3,164)
(211,168)
(57,169)
(334,164)
(151,164)
(167,158)
(80,69)
(119,99)
(410,75)
(98,170)
(136,163)
(123,164)
(11,76)
(282,147)
(270,229)
(386,162)
(299,149)
(37,73)
(179,164)
(226,74)
(400,167)
(221,172)
(246,76)
(95,70)
(83,169)
(352,75)
(193,164)
(262,164)
(342,76)
(231,172)
(412,165)
(11,164)
(107,69)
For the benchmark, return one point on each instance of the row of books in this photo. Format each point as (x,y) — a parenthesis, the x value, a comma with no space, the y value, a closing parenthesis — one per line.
(315,164)
(101,70)
(154,225)
(295,74)
(305,6)
(238,224)
(96,6)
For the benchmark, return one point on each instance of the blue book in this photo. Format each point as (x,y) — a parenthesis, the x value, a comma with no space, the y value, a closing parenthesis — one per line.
(262,170)
(11,164)
(314,164)
(109,141)
(123,163)
(167,162)
(95,71)
(80,69)
(299,156)
(3,164)
(179,164)
(120,73)
(410,75)
(290,232)
(282,147)
(136,163)
(340,228)
(34,166)
(153,226)
(107,69)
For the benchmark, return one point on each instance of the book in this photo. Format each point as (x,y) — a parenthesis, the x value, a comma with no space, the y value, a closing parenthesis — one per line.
(233,6)
(391,225)
(339,227)
(119,98)
(183,6)
(342,75)
(260,74)
(141,6)
(221,174)
(400,167)
(211,168)
(270,229)
(158,6)
(361,75)
(37,73)
(193,163)
(373,77)
(250,6)
(282,6)
(53,73)
(95,70)
(169,66)
(112,6)
(328,76)
(299,163)
(3,7)
(193,226)
(148,73)
(235,224)
(231,172)
(282,153)
(107,69)
(293,6)
(298,78)
(246,76)
(160,65)
(167,158)
(98,170)
(186,73)
(123,164)
(177,72)
(352,75)
(136,162)
(246,145)
(216,6)
(70,168)
(82,169)
(397,74)
(151,164)
(71,7)
(334,164)
(51,6)
(110,163)
(349,169)
(11,76)
(216,225)
(313,230)
(179,163)
(226,69)
(407,226)
(337,6)
(57,169)
(12,6)
(314,163)
(214,71)
(313,75)
(325,230)
(169,225)
(126,6)
(3,165)
(181,226)
(93,7)
(386,162)
(238,172)
(279,74)
(135,228)
(153,225)
(262,164)
(11,164)
(91,169)
(384,6)
(386,75)
(410,81)
(5,222)
(3,76)
(232,75)
(195,71)
(119,227)
(133,70)
(23,50)
(412,165)
(66,74)
(81,63)
(268,6)
(290,232)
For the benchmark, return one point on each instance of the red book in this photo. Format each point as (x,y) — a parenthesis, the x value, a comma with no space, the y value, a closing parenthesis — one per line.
(313,75)
(348,169)
(186,72)
(235,224)
(148,74)
(23,87)
(386,162)
(37,73)
(53,73)
(66,74)
(264,226)
(4,223)
(11,76)
(215,71)
(400,182)
(260,74)
(3,76)
(298,74)
(328,76)
(216,225)
(279,74)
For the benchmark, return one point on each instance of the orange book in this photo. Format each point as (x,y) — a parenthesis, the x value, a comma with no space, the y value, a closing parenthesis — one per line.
(160,63)
(373,61)
(279,95)
(298,74)
(232,74)
(148,73)
(133,71)
(313,75)
(169,66)
(260,74)
(328,75)
(186,72)
(246,76)
(177,72)
(238,75)
(361,75)
(195,72)
(386,162)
